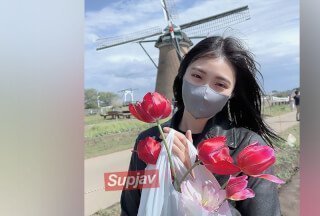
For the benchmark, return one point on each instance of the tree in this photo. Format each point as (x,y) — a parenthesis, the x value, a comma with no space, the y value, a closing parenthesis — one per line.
(107,98)
(90,98)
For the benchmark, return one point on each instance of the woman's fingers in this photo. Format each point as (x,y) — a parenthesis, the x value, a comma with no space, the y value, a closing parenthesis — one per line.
(179,144)
(189,135)
(181,137)
(183,157)
(180,140)
(177,133)
(166,129)
(178,152)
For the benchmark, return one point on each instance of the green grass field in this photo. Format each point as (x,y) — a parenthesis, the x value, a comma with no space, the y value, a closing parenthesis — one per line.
(111,211)
(107,136)
(288,157)
(275,110)
(114,127)
(109,143)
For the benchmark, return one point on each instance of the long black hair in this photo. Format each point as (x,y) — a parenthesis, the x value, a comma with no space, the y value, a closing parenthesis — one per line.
(245,103)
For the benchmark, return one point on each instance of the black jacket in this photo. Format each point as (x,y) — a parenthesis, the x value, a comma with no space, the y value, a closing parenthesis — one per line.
(265,202)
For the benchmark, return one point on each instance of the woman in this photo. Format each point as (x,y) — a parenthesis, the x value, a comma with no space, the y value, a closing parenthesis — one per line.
(217,94)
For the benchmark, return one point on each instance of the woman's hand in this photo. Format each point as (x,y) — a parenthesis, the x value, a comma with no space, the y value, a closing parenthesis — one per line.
(180,146)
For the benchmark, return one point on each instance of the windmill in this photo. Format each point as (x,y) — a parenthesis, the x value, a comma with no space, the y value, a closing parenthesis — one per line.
(174,41)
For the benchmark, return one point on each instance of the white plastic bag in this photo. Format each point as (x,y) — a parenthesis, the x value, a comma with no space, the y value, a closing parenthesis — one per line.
(291,140)
(165,200)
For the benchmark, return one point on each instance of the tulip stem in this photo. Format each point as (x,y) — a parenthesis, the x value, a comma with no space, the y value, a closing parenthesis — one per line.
(189,171)
(225,184)
(238,173)
(175,184)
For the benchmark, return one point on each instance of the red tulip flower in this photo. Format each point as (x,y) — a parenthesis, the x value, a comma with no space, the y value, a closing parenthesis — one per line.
(148,150)
(153,108)
(214,154)
(255,159)
(237,188)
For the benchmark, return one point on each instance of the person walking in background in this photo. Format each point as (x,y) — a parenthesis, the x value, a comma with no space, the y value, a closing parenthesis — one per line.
(291,101)
(297,104)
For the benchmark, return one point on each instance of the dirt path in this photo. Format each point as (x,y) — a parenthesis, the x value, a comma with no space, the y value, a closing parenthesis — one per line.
(290,197)
(282,122)
(96,198)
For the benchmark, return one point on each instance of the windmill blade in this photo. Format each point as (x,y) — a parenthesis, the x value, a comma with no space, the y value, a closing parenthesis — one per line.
(169,9)
(170,27)
(165,10)
(216,22)
(135,36)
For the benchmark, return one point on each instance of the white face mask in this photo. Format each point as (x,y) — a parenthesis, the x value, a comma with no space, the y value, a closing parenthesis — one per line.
(202,101)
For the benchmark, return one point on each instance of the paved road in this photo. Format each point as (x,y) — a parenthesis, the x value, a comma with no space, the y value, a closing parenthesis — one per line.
(95,196)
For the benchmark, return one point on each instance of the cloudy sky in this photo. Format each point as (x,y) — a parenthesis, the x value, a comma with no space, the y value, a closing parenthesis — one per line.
(272,34)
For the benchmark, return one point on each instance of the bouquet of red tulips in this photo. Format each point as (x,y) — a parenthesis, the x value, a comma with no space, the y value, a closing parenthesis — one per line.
(201,195)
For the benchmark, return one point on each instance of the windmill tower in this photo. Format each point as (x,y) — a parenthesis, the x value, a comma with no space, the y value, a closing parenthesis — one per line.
(174,41)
